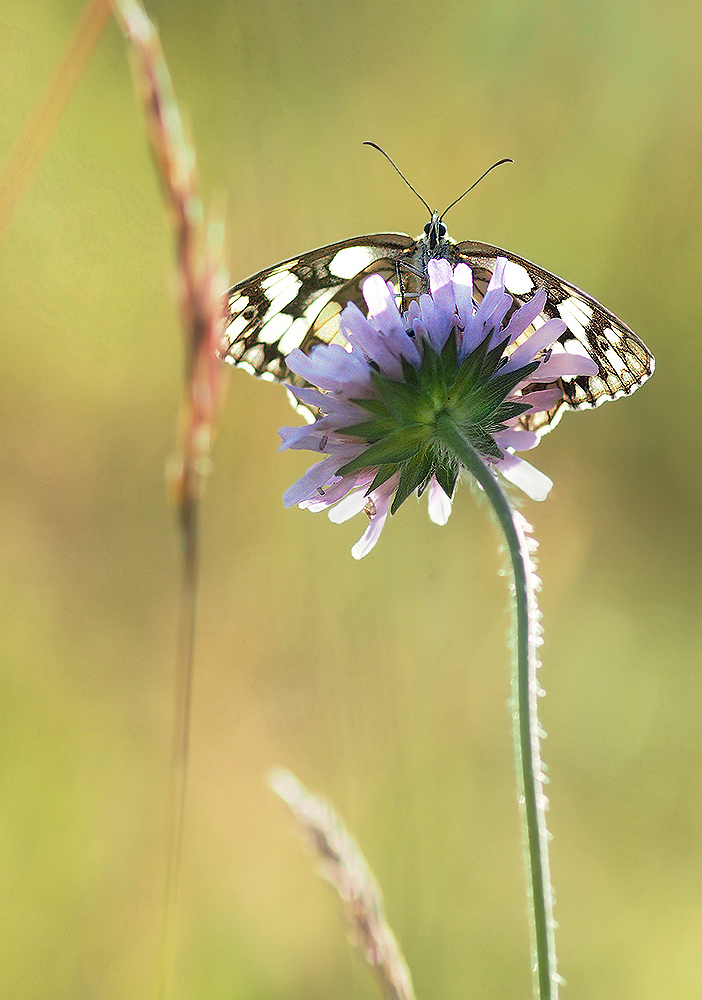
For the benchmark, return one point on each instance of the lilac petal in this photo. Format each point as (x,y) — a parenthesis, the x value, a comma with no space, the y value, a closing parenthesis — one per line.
(382,498)
(341,410)
(370,536)
(441,284)
(538,341)
(361,335)
(383,313)
(497,318)
(320,439)
(317,477)
(525,316)
(297,438)
(329,366)
(435,321)
(438,503)
(494,302)
(517,439)
(497,278)
(463,292)
(534,483)
(419,329)
(542,399)
(352,504)
(355,325)
(345,416)
(307,394)
(413,311)
(336,493)
(564,364)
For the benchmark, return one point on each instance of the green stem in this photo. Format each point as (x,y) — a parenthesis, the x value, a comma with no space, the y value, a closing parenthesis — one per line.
(529,767)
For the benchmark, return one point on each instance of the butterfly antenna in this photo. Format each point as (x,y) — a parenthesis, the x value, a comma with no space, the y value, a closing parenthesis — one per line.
(393,164)
(507,159)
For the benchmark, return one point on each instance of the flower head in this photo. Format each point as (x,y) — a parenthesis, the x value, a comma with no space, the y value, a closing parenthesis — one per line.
(380,398)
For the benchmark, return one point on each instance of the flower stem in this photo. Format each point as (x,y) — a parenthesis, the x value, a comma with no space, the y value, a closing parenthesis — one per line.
(530,775)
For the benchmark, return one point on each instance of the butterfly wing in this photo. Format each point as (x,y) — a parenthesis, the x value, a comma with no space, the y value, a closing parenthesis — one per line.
(295,303)
(623,359)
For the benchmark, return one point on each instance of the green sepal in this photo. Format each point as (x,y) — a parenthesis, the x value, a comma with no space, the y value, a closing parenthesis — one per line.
(446,473)
(382,475)
(433,375)
(376,406)
(449,353)
(404,402)
(487,398)
(483,442)
(371,430)
(476,367)
(414,472)
(510,409)
(410,373)
(494,358)
(394,448)
(502,385)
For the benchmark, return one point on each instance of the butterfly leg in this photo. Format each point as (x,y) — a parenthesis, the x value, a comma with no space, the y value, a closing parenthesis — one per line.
(403,292)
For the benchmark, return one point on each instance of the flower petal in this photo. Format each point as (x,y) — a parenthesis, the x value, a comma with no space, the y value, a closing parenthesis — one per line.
(383,313)
(518,439)
(382,499)
(463,292)
(329,366)
(444,299)
(564,364)
(439,504)
(534,483)
(537,342)
(352,504)
(370,536)
(316,477)
(525,316)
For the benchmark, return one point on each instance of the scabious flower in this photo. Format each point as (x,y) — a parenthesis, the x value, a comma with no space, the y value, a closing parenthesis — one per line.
(483,366)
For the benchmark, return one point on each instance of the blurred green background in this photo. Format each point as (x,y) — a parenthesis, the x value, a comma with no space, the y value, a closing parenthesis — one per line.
(381,684)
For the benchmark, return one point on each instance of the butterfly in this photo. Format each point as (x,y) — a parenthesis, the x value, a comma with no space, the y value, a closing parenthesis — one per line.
(297,304)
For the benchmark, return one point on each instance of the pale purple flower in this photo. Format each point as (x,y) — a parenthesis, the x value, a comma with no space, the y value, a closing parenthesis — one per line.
(379,394)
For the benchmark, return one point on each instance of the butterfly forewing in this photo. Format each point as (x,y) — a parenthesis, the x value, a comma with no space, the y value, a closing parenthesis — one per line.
(286,306)
(297,303)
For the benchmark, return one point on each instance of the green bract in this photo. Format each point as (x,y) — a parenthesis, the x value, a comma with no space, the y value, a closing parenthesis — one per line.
(401,429)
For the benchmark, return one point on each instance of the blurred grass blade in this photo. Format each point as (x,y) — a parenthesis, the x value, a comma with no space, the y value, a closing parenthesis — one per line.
(200,278)
(31,145)
(344,866)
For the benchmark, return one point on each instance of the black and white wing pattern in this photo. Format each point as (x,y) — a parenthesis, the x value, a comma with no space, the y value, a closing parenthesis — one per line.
(297,303)
(294,303)
(623,359)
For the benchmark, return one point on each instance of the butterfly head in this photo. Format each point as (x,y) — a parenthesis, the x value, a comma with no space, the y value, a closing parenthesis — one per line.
(435,231)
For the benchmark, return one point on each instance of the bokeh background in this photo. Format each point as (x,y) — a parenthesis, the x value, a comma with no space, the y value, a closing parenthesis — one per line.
(381,684)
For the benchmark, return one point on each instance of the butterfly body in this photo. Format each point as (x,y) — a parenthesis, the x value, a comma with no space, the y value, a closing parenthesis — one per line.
(296,304)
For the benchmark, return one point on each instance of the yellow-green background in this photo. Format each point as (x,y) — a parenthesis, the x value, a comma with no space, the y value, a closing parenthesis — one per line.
(383,684)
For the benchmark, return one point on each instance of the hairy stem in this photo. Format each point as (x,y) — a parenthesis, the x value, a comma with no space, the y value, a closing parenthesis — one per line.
(527,731)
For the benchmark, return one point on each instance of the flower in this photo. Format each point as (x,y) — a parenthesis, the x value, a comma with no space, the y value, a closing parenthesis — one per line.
(483,366)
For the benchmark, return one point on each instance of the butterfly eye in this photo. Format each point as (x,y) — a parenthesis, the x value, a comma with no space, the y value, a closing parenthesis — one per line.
(435,230)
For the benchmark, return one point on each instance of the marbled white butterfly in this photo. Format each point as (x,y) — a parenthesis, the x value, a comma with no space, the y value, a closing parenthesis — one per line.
(297,303)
